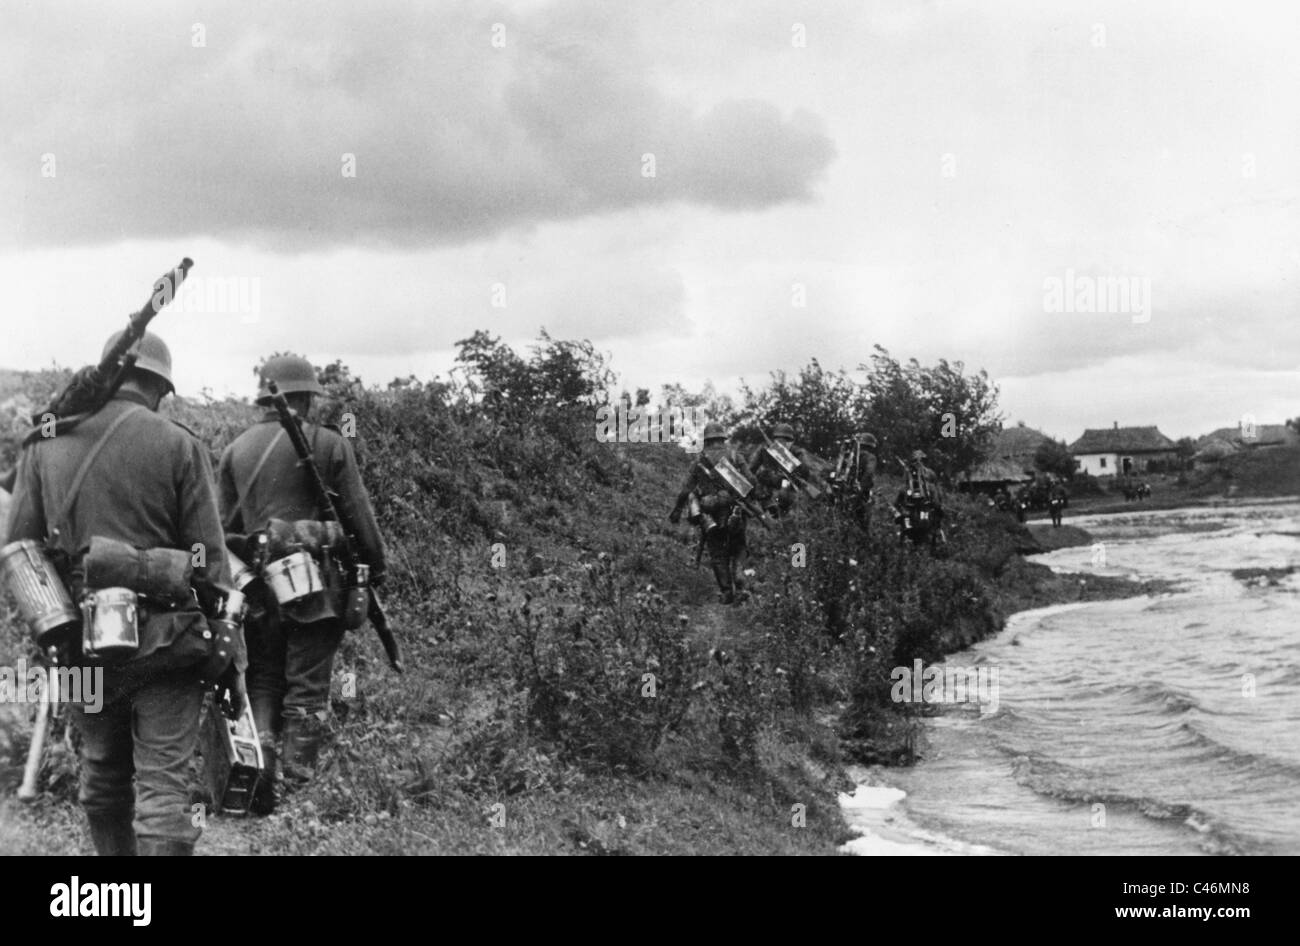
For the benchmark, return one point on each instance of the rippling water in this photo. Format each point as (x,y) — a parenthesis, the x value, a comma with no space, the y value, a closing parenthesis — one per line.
(1143,707)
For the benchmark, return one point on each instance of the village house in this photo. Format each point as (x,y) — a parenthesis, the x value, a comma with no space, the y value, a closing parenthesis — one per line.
(1017,445)
(1010,460)
(1245,436)
(1121,451)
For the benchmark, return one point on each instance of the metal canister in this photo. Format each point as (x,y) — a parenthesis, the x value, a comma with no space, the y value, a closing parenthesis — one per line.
(110,623)
(243,575)
(43,599)
(293,578)
(356,602)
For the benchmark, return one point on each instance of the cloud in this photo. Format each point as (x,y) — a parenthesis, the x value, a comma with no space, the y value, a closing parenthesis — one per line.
(454,139)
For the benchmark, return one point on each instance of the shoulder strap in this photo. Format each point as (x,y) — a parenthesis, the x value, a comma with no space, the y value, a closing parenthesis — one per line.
(257,469)
(86,463)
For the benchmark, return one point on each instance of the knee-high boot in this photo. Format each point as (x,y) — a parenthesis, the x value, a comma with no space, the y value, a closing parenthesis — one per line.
(300,748)
(112,833)
(165,847)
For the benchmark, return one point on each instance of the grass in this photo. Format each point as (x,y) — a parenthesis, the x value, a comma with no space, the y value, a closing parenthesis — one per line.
(534,582)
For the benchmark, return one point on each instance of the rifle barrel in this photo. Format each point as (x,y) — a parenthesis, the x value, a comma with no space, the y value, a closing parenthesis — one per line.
(375,608)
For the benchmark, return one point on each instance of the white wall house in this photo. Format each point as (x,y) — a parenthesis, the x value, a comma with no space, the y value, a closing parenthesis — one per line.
(1097,464)
(1120,451)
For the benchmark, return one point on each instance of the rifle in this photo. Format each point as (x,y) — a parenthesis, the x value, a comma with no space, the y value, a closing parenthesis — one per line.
(330,512)
(790,465)
(724,477)
(94,386)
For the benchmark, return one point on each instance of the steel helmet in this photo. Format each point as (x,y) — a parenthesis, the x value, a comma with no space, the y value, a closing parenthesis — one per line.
(291,373)
(867,440)
(152,355)
(714,431)
(918,454)
(781,431)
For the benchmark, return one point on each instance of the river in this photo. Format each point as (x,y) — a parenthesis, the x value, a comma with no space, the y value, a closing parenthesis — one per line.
(1166,724)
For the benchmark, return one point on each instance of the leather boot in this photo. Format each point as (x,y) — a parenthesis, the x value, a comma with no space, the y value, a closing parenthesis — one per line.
(722,575)
(112,834)
(165,847)
(300,747)
(264,795)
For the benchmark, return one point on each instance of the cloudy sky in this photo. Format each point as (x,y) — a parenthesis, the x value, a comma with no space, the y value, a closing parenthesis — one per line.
(379,180)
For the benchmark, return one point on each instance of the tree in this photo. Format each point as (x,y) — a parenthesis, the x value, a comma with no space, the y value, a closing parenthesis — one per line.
(557,374)
(950,415)
(1053,457)
(710,403)
(817,403)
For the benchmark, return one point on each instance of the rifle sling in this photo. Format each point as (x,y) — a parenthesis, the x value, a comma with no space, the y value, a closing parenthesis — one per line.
(86,463)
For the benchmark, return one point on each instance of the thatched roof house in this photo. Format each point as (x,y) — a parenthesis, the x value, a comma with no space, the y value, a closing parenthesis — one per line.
(1120,451)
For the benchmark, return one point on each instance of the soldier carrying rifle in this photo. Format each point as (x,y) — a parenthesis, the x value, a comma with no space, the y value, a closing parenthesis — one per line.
(119,503)
(717,494)
(853,479)
(782,469)
(276,522)
(918,509)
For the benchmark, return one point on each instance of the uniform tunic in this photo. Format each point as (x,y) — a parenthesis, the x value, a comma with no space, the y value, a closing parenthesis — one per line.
(150,486)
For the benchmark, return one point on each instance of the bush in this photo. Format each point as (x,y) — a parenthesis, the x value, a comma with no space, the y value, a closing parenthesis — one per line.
(608,678)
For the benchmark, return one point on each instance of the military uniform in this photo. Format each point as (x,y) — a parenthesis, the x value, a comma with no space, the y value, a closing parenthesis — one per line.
(854,477)
(150,486)
(1057,500)
(292,650)
(721,520)
(918,508)
(775,491)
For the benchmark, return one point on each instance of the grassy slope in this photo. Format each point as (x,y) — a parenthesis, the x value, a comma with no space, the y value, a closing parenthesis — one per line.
(387,785)
(694,803)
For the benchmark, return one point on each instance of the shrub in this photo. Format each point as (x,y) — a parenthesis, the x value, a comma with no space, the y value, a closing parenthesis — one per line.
(607,677)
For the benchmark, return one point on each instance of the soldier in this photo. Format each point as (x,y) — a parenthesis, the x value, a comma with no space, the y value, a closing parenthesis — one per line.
(1022,503)
(775,490)
(1057,500)
(1002,498)
(714,509)
(918,508)
(125,473)
(852,481)
(292,648)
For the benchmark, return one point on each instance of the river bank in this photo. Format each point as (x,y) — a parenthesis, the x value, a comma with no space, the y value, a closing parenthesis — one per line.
(876,807)
(697,803)
(1159,724)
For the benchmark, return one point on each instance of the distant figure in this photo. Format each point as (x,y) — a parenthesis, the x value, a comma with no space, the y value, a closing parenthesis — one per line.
(777,488)
(715,510)
(1002,499)
(1057,500)
(1143,492)
(918,509)
(1022,503)
(852,482)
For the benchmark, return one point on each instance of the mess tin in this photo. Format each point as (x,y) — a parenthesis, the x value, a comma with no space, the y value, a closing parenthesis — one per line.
(110,624)
(293,578)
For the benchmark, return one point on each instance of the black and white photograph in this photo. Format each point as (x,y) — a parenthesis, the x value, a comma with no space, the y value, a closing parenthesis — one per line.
(711,428)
